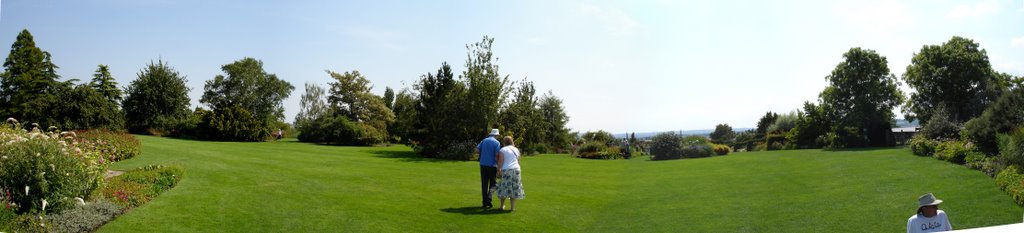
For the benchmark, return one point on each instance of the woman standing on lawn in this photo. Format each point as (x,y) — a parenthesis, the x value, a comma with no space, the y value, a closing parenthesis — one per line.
(511,184)
(928,218)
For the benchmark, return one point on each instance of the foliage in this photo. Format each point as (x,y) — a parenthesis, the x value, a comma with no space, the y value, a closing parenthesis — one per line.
(312,105)
(696,146)
(940,126)
(232,123)
(27,87)
(105,83)
(47,168)
(746,140)
(666,146)
(723,134)
(113,146)
(439,116)
(138,186)
(524,118)
(923,146)
(811,128)
(775,141)
(598,136)
(954,151)
(245,96)
(1012,181)
(1011,147)
(389,98)
(350,97)
(486,89)
(83,107)
(860,96)
(598,150)
(764,122)
(721,149)
(85,218)
(554,122)
(336,130)
(955,76)
(405,116)
(157,101)
(1003,116)
(783,123)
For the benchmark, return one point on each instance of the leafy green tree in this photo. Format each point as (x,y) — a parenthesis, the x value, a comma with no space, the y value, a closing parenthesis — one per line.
(861,95)
(955,76)
(246,85)
(389,97)
(785,122)
(441,121)
(105,83)
(486,88)
(350,97)
(312,105)
(555,120)
(723,134)
(813,124)
(405,116)
(764,122)
(598,136)
(27,87)
(83,107)
(522,119)
(157,100)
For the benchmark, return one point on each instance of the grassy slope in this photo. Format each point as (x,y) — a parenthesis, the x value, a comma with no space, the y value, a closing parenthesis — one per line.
(290,186)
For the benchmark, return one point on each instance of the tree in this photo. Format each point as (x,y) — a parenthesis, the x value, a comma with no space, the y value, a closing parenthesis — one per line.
(389,97)
(723,134)
(764,122)
(598,136)
(1003,116)
(441,121)
(486,88)
(350,97)
(522,119)
(312,105)
(245,84)
(105,83)
(955,76)
(861,95)
(405,115)
(156,100)
(83,107)
(813,124)
(27,87)
(554,120)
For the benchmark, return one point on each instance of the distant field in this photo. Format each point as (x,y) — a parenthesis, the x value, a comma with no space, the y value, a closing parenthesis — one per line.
(297,187)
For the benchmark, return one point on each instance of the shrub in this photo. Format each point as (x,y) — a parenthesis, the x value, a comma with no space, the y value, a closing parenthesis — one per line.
(114,146)
(666,146)
(922,146)
(1011,147)
(1003,116)
(988,165)
(135,187)
(940,127)
(775,141)
(40,167)
(85,218)
(592,149)
(696,147)
(1011,181)
(721,149)
(233,123)
(339,130)
(954,151)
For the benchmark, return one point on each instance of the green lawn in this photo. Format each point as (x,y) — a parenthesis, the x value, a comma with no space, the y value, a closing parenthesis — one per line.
(297,187)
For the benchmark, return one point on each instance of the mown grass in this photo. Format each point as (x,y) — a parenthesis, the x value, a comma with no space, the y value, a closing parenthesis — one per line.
(296,187)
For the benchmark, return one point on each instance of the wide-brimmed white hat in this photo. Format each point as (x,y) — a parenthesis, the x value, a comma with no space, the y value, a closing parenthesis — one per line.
(494,132)
(928,200)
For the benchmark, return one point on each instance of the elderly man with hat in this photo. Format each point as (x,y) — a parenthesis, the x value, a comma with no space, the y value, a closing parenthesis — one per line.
(928,218)
(488,150)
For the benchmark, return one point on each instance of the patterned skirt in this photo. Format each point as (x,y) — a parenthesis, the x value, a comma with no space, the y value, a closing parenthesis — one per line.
(511,184)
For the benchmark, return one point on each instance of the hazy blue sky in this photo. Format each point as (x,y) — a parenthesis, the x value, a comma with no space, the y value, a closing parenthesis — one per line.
(620,66)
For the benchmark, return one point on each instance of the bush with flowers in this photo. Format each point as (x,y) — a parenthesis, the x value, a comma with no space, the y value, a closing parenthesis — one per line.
(114,146)
(46,171)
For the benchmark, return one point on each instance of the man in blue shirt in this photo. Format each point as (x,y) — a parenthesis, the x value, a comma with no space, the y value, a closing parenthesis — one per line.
(488,151)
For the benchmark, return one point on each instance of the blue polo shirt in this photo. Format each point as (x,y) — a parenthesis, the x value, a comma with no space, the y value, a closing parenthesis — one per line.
(489,151)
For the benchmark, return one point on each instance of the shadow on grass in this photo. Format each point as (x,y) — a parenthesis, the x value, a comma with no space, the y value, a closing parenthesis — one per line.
(865,149)
(473,210)
(407,156)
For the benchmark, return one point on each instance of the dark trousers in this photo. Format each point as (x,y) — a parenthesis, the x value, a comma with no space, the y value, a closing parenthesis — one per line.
(487,183)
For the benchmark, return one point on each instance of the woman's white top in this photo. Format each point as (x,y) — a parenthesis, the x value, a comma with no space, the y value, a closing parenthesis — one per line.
(510,157)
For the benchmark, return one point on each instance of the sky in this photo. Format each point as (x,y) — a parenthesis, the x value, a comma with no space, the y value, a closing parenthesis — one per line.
(618,66)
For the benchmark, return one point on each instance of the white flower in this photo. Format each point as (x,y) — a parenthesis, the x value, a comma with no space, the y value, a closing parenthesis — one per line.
(44,205)
(80,201)
(26,190)
(52,168)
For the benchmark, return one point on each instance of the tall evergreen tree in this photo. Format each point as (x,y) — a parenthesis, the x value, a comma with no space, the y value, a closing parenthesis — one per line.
(105,83)
(156,100)
(28,84)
